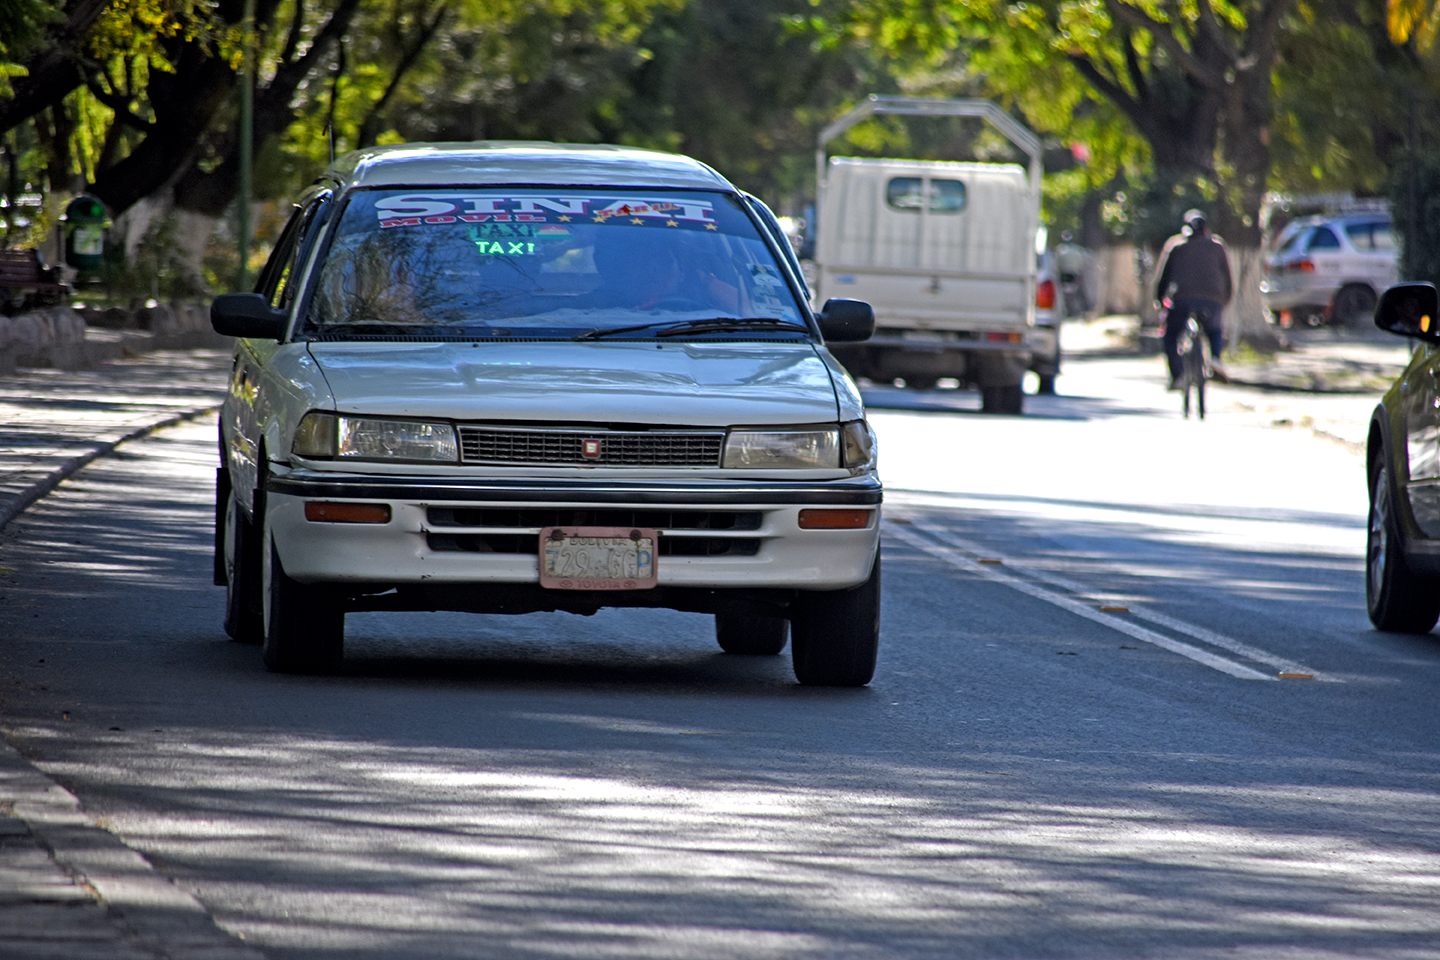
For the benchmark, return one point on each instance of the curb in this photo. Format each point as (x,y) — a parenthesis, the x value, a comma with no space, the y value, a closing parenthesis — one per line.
(145,909)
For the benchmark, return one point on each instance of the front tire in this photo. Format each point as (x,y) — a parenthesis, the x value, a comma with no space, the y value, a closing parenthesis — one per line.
(751,634)
(835,634)
(1396,599)
(304,623)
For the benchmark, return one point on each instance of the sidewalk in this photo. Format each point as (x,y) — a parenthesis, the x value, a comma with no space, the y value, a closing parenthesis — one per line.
(1341,374)
(71,890)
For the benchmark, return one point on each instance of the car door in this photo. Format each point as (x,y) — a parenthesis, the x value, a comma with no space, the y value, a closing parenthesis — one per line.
(1375,259)
(279,282)
(1420,403)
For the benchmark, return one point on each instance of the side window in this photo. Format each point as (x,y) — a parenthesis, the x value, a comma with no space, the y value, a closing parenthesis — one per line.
(1293,242)
(1371,235)
(1324,239)
(909,194)
(275,280)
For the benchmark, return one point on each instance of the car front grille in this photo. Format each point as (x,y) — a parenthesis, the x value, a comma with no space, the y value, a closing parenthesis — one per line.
(516,530)
(600,447)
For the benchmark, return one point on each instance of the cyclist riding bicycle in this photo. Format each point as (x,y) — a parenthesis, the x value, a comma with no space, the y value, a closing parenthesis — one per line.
(1195,278)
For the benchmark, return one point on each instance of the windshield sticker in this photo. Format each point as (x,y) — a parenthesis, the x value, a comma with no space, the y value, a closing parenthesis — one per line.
(512,231)
(509,248)
(415,210)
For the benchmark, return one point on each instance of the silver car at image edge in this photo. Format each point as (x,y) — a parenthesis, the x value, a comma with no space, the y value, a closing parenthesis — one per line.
(521,377)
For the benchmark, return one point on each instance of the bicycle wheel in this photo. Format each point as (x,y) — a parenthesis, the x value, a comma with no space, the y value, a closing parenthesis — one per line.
(1192,369)
(1199,375)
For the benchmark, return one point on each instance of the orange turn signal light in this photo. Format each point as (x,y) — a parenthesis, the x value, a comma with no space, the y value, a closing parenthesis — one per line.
(329,511)
(816,519)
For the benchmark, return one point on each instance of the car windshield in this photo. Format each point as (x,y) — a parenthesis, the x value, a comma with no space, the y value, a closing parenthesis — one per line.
(535,263)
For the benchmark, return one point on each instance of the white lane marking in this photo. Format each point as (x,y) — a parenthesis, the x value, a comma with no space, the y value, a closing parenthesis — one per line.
(1140,612)
(952,556)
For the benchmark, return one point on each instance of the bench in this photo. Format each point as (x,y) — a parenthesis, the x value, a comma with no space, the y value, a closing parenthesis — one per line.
(25,282)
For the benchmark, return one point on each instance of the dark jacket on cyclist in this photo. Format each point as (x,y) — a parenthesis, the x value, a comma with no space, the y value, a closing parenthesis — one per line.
(1197,267)
(1195,277)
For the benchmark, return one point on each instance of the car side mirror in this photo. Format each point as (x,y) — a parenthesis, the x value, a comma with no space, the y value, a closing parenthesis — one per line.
(846,321)
(247,315)
(1410,309)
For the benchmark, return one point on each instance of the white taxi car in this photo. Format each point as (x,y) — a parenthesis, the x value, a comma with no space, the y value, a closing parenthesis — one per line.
(518,377)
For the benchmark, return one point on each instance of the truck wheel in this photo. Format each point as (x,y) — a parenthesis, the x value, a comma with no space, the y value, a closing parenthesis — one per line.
(751,634)
(244,621)
(835,634)
(304,623)
(1046,387)
(1003,399)
(1396,599)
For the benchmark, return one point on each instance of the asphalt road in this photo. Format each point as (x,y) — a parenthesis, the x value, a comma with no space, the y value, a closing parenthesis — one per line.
(1128,705)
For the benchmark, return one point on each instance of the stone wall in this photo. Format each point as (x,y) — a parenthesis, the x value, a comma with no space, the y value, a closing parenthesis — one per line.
(69,339)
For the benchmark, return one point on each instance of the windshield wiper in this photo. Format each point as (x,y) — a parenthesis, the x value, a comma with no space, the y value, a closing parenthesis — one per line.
(600,333)
(677,328)
(717,324)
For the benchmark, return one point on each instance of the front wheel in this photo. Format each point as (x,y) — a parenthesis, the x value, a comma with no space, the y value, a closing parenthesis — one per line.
(304,623)
(835,634)
(751,634)
(1396,599)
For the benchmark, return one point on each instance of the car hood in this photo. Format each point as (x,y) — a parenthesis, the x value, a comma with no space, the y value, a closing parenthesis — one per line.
(709,384)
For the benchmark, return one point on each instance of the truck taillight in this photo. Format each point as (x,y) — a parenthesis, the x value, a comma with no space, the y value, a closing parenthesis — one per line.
(1045,295)
(995,336)
(1303,266)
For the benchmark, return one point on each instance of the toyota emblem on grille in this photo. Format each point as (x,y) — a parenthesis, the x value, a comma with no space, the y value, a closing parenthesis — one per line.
(591,449)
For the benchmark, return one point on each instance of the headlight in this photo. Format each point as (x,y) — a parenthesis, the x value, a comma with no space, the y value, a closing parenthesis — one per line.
(783,449)
(330,436)
(859,445)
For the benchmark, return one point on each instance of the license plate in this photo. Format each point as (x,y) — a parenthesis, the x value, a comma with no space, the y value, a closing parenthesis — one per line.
(597,558)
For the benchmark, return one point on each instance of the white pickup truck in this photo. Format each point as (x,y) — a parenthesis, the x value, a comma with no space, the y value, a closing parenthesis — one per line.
(944,252)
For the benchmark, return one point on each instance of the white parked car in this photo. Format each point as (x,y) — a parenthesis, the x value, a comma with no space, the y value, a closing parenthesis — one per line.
(1330,269)
(517,377)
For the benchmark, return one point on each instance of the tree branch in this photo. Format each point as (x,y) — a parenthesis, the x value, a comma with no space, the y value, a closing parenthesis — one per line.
(1203,73)
(119,103)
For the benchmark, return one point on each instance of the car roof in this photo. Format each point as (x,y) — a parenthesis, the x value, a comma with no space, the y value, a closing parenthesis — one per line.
(517,162)
(1369,216)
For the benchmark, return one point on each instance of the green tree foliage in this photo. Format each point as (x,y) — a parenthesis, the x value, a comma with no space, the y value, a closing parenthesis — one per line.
(1191,77)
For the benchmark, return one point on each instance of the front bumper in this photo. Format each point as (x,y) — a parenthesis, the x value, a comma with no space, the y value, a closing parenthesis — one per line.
(713,534)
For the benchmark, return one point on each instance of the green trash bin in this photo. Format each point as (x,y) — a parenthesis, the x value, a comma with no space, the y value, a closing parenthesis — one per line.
(85,221)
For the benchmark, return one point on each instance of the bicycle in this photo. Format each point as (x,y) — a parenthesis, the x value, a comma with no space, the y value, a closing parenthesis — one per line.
(1194,366)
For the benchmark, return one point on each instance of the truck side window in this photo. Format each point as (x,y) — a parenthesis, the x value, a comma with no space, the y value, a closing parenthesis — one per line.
(908,194)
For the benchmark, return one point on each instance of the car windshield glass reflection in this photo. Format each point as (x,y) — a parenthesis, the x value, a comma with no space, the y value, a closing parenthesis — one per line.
(527,263)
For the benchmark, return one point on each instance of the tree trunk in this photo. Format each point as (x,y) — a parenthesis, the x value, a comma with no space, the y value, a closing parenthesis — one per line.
(1245,319)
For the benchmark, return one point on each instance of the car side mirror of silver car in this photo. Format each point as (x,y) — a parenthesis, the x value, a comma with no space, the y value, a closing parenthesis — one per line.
(247,315)
(846,321)
(1411,310)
